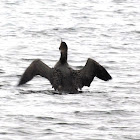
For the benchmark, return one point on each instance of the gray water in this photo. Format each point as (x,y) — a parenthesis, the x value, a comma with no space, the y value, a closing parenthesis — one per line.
(107,31)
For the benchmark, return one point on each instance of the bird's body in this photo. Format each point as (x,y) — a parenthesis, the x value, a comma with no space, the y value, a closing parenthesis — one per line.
(62,77)
(63,74)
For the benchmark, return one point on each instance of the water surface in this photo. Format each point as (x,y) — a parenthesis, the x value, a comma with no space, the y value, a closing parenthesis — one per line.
(107,31)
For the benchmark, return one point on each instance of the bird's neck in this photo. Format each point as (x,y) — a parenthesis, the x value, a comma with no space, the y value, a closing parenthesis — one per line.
(63,57)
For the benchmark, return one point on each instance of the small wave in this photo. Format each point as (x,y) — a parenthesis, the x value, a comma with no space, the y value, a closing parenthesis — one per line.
(45,118)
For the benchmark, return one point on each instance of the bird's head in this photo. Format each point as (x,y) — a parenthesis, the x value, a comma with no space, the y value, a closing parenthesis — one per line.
(63,47)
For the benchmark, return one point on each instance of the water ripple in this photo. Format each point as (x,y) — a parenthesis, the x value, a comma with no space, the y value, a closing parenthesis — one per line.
(107,31)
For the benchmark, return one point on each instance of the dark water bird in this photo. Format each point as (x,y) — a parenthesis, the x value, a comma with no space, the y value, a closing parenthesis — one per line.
(62,77)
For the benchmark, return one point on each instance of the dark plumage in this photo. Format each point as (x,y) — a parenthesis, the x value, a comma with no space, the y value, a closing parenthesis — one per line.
(62,76)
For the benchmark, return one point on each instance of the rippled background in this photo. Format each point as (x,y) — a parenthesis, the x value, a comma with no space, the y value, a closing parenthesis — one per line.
(107,31)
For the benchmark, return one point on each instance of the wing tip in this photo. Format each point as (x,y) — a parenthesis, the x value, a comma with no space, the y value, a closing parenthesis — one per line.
(109,78)
(21,82)
(103,74)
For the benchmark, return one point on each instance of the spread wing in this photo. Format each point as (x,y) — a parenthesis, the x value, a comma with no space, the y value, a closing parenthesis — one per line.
(92,69)
(37,67)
